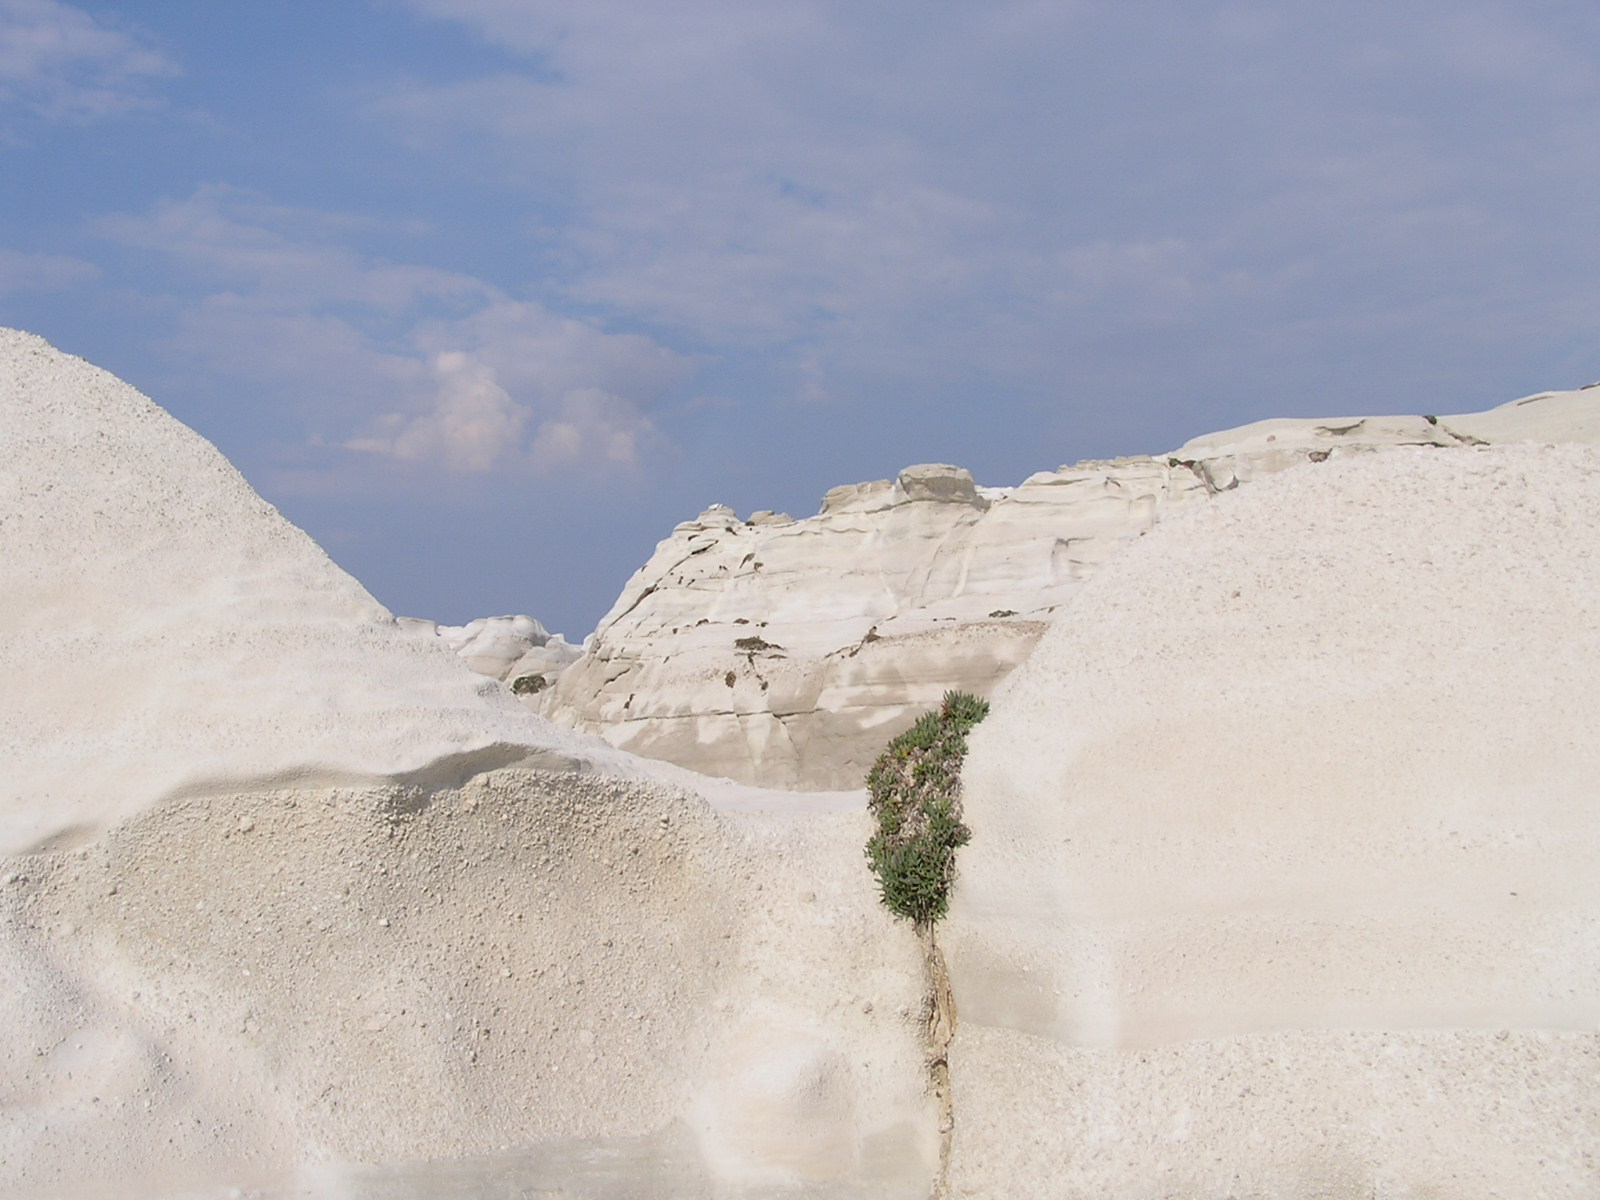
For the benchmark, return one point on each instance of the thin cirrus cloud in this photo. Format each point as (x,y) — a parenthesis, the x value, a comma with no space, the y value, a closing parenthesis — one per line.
(401,360)
(31,272)
(58,62)
(738,173)
(1032,189)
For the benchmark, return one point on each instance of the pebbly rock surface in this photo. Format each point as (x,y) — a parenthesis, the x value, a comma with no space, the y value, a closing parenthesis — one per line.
(787,652)
(1283,877)
(292,902)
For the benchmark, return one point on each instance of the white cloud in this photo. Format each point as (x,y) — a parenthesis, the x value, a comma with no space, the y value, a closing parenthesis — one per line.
(397,359)
(471,423)
(60,63)
(592,426)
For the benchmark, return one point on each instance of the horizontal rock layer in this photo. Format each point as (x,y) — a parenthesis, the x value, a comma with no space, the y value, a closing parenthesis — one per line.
(787,652)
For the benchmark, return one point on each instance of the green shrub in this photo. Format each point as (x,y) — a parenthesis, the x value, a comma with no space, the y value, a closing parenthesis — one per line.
(914,791)
(529,685)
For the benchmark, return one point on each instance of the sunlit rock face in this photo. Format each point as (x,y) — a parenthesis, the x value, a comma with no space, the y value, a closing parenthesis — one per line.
(167,632)
(787,652)
(1285,871)
(291,899)
(510,648)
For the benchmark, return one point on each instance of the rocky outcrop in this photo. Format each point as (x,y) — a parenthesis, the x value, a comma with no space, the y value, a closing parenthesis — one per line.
(787,652)
(1282,879)
(517,650)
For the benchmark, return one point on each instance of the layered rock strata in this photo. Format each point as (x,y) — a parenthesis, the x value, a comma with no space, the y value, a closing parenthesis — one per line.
(787,652)
(1283,878)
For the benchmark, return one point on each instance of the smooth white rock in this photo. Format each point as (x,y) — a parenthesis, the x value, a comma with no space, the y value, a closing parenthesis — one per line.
(508,648)
(168,633)
(1283,877)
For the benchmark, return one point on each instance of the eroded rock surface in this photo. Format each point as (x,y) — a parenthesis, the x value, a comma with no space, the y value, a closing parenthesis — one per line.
(787,652)
(508,649)
(1283,871)
(289,895)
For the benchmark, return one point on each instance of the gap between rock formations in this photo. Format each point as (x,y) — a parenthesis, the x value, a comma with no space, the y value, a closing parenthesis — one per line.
(939,1027)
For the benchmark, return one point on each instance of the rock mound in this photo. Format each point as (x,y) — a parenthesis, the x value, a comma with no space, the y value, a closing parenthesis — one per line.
(283,903)
(168,633)
(1283,874)
(508,648)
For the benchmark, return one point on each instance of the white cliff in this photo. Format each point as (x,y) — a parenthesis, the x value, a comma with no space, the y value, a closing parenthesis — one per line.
(1283,878)
(787,652)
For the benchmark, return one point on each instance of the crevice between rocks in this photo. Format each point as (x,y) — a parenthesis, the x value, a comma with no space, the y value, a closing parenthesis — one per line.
(939,1028)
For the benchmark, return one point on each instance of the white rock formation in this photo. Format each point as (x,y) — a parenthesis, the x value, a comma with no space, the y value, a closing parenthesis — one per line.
(167,632)
(283,896)
(510,648)
(1285,873)
(787,652)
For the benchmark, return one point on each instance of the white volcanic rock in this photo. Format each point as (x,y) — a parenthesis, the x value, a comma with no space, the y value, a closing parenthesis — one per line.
(787,652)
(271,917)
(546,661)
(167,632)
(509,648)
(1285,868)
(489,645)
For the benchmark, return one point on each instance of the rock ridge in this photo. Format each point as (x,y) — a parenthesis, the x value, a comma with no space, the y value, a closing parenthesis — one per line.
(898,591)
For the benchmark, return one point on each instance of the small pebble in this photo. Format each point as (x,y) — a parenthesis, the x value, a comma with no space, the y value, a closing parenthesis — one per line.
(505,972)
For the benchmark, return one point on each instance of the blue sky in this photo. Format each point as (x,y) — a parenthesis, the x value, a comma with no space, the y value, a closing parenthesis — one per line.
(488,294)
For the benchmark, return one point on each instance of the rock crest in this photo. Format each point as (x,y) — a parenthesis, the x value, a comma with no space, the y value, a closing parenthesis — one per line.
(898,591)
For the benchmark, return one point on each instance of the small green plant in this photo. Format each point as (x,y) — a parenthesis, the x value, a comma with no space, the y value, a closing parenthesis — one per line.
(529,685)
(914,791)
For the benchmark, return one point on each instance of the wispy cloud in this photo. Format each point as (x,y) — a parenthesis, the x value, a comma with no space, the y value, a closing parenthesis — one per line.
(397,359)
(60,63)
(20,272)
(1021,187)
